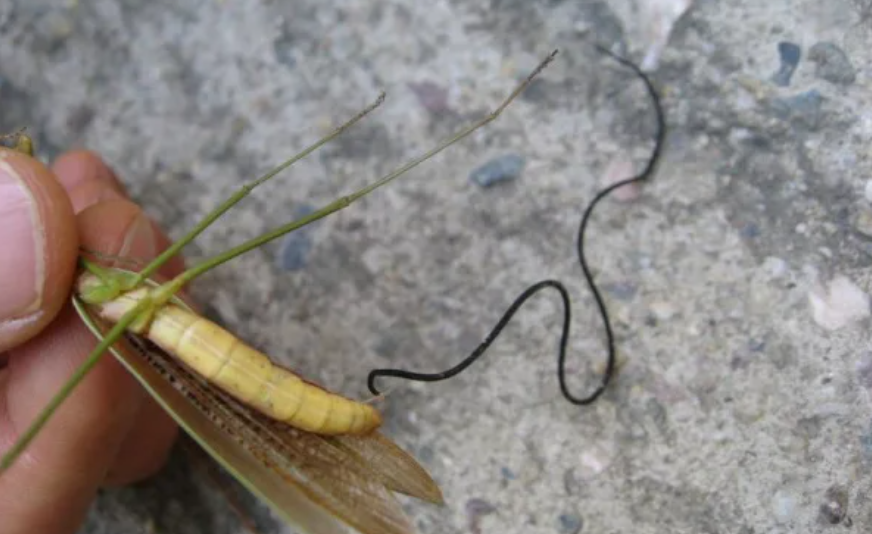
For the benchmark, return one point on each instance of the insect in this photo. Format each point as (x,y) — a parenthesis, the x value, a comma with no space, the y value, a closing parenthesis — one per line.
(315,456)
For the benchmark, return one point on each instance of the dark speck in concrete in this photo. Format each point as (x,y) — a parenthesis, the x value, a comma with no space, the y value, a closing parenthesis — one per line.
(544,92)
(750,231)
(284,46)
(570,523)
(425,454)
(809,427)
(432,96)
(804,108)
(606,26)
(864,371)
(80,119)
(832,63)
(621,290)
(657,413)
(295,250)
(788,54)
(477,508)
(498,170)
(866,442)
(756,345)
(363,141)
(571,483)
(296,246)
(834,509)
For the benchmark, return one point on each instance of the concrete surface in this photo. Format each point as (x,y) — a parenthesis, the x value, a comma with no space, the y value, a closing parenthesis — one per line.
(736,412)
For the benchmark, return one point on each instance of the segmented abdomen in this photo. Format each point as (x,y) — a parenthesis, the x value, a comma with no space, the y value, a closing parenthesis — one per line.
(245,373)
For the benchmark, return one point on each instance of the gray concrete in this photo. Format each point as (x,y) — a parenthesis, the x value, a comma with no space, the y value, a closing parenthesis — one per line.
(735,411)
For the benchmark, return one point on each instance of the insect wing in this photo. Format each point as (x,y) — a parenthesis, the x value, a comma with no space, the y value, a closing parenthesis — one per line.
(396,469)
(318,484)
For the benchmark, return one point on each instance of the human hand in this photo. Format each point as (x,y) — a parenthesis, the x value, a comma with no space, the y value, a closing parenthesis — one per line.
(109,432)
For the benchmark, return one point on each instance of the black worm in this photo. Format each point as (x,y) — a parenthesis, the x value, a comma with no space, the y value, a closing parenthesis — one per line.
(557,285)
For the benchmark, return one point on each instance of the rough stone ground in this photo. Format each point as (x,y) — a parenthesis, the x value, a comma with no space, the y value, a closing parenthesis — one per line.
(735,412)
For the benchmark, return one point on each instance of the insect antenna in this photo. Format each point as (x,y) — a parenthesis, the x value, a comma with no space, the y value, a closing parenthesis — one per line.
(646,173)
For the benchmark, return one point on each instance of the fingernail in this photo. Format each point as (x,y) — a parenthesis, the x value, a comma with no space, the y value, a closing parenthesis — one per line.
(139,241)
(22,264)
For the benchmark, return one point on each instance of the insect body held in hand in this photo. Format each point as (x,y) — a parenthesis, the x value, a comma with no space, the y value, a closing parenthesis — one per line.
(238,369)
(315,456)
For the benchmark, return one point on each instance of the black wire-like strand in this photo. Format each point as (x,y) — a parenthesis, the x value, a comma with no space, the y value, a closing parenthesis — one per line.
(535,288)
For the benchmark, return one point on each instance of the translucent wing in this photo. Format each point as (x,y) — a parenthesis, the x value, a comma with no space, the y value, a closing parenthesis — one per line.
(319,484)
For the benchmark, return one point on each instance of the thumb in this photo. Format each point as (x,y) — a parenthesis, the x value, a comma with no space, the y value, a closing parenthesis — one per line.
(39,247)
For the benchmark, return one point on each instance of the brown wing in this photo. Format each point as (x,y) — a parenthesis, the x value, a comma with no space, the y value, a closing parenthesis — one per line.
(396,469)
(347,484)
(314,481)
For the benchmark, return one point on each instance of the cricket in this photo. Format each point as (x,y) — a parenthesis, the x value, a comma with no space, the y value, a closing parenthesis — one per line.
(316,457)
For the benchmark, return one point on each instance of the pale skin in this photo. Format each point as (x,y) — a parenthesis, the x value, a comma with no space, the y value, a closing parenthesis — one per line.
(110,432)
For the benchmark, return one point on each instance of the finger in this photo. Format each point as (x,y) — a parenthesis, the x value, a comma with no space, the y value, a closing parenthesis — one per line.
(176,264)
(87,179)
(69,460)
(146,445)
(38,232)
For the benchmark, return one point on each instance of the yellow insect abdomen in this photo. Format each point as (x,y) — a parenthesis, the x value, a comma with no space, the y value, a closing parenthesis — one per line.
(245,373)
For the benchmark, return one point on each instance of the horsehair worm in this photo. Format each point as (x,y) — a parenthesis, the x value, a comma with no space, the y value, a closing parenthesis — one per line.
(646,173)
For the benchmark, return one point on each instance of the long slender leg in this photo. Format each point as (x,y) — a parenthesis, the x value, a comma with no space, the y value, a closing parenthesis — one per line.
(150,269)
(146,307)
(165,292)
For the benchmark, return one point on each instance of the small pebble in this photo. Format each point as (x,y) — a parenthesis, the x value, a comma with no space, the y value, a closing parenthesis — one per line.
(593,463)
(839,305)
(619,169)
(500,169)
(621,290)
(295,250)
(835,506)
(804,108)
(570,523)
(789,54)
(432,96)
(507,473)
(750,231)
(863,222)
(756,345)
(662,310)
(284,48)
(866,443)
(867,191)
(296,246)
(832,63)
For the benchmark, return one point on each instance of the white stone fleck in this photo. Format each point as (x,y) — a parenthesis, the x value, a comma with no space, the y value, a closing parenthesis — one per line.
(839,305)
